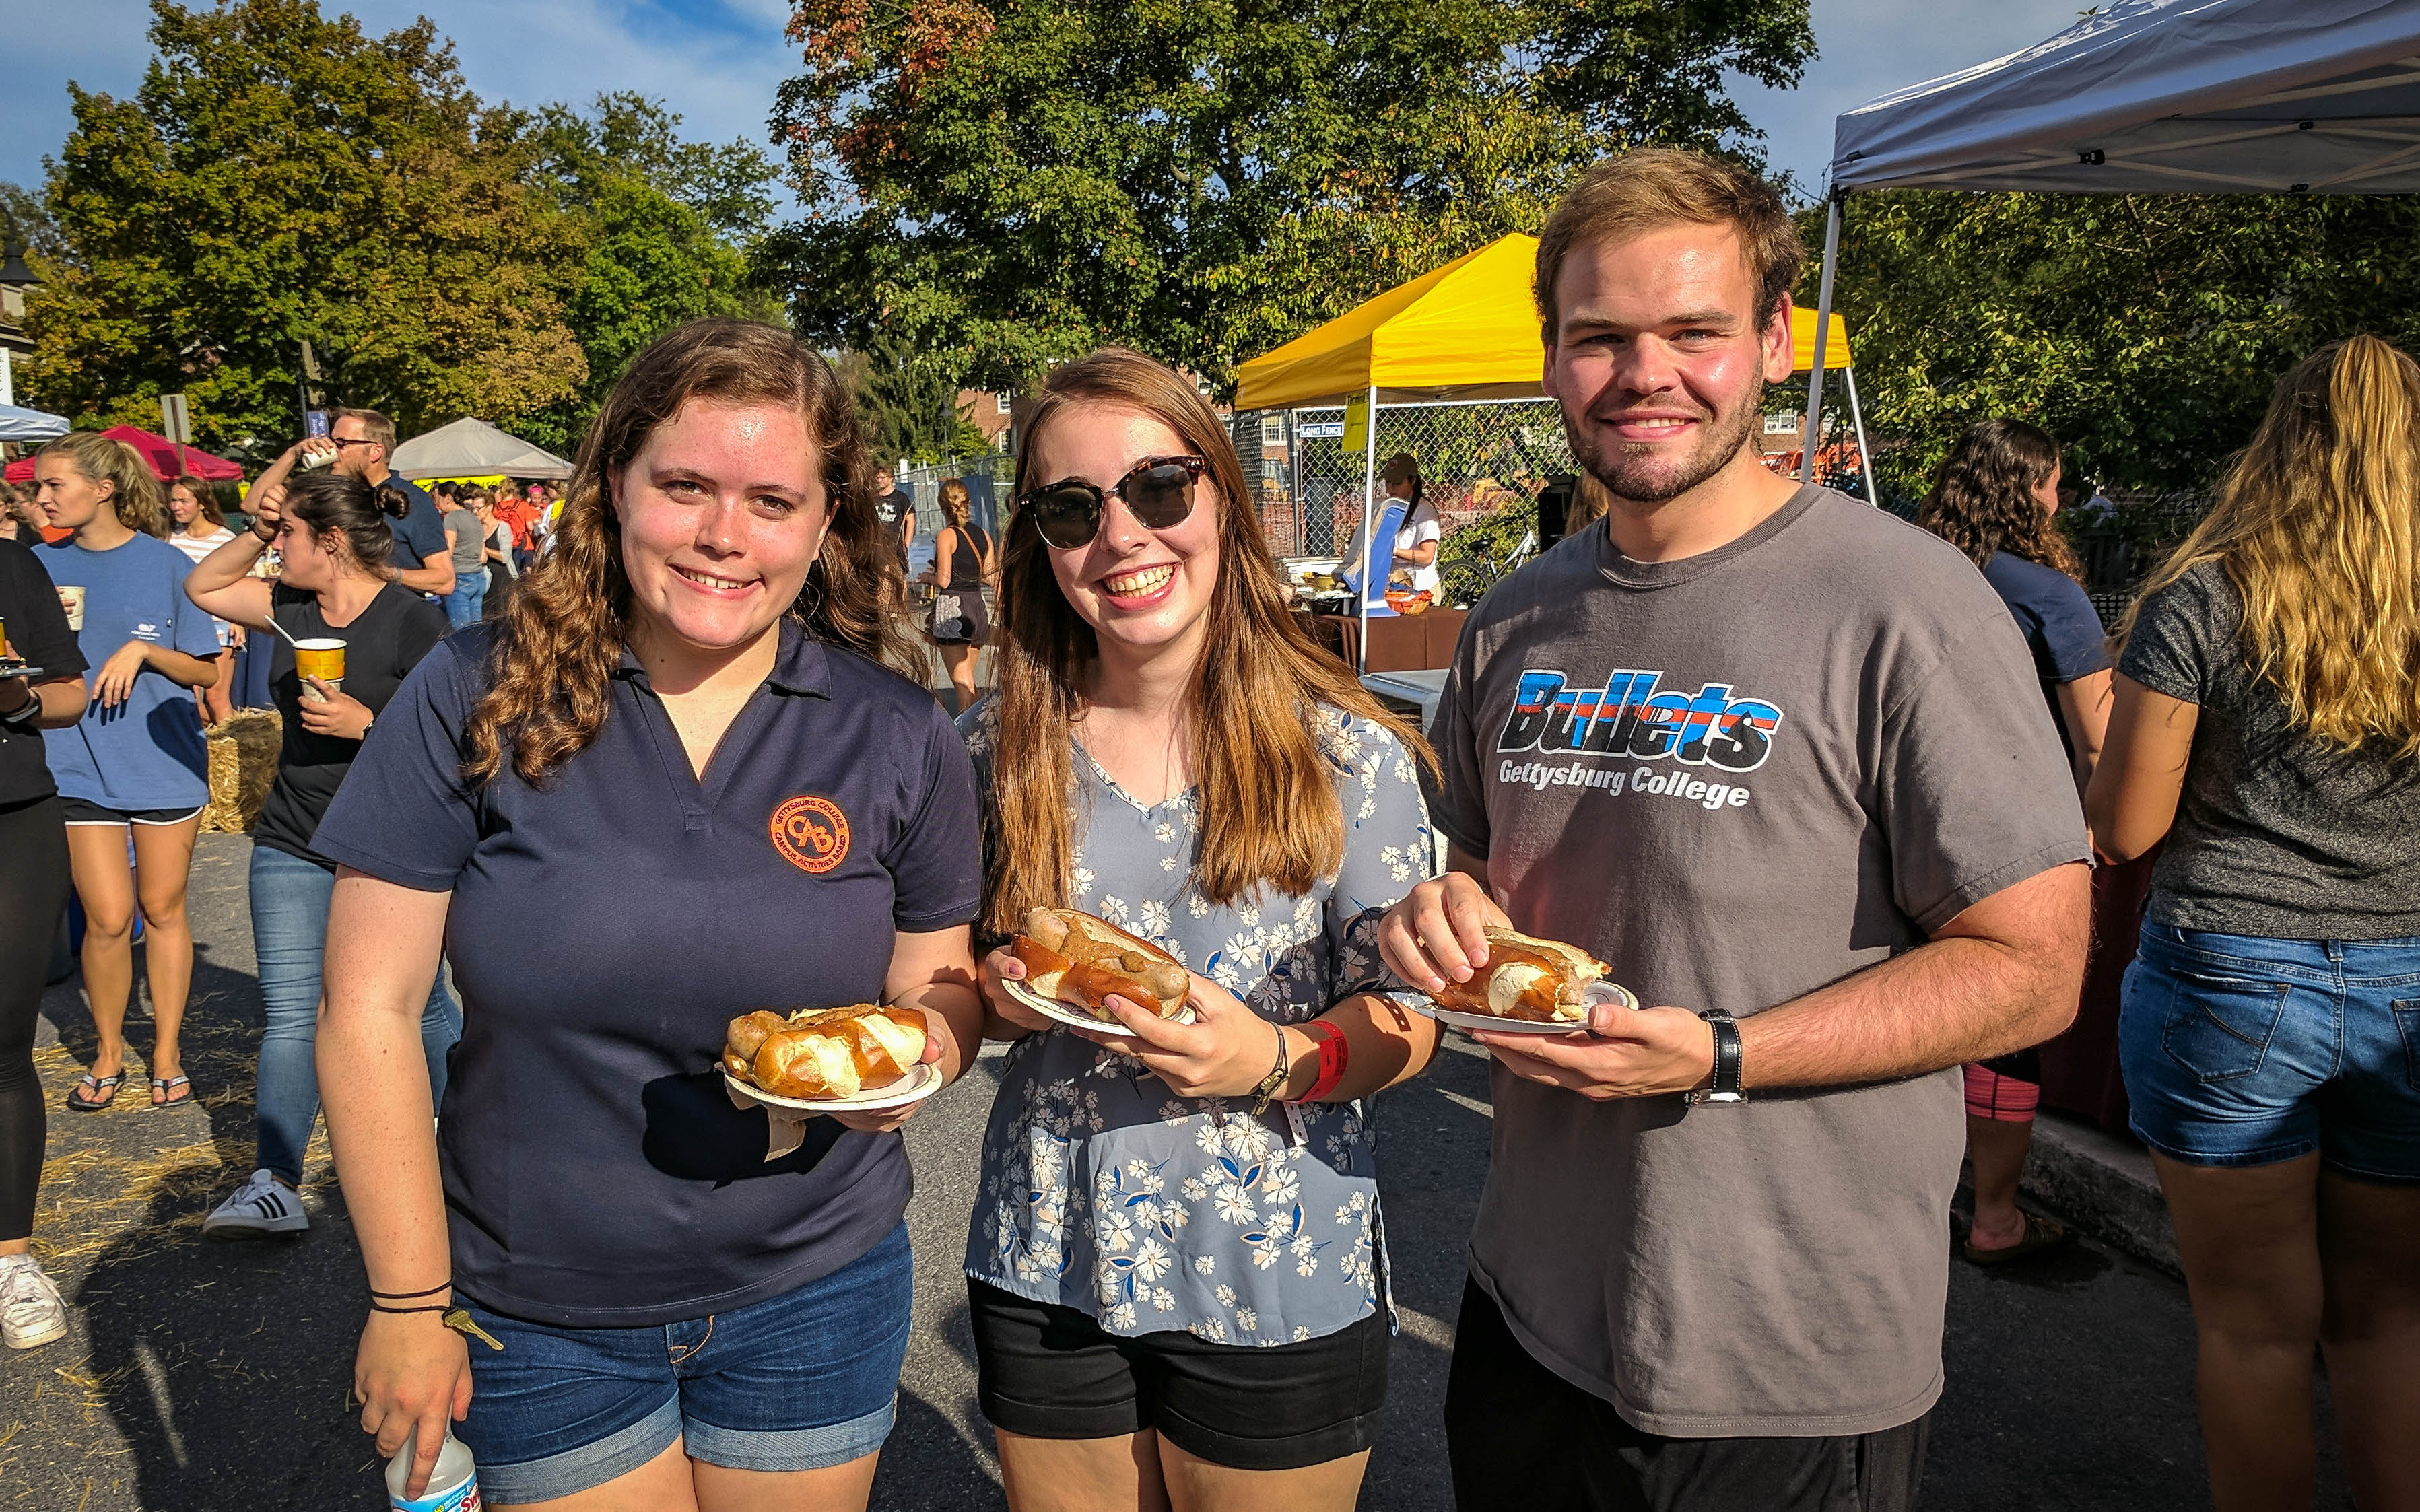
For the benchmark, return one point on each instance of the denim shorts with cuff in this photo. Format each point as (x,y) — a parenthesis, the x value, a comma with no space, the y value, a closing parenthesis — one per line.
(803,1381)
(2239,1050)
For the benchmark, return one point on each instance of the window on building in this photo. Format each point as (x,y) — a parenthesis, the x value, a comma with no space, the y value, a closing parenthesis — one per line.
(1273,430)
(1004,401)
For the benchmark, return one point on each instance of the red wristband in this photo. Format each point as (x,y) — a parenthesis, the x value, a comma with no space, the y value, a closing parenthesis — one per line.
(1334,1052)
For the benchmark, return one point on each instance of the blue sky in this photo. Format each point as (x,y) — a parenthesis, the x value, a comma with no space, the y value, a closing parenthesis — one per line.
(717,61)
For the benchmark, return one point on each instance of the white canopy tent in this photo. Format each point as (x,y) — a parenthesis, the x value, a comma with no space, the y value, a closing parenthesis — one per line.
(19,423)
(2213,97)
(473,448)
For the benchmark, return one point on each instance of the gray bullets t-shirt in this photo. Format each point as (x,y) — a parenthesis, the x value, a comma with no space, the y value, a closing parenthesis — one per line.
(1736,778)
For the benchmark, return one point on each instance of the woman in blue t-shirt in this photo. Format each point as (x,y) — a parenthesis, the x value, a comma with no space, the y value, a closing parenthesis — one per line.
(135,762)
(1176,1268)
(672,783)
(1995,501)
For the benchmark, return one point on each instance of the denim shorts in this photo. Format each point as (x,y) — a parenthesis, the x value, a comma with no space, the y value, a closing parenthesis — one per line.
(2244,1051)
(799,1382)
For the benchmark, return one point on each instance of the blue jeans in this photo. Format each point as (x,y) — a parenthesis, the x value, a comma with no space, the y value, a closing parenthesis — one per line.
(799,1382)
(469,592)
(2246,1051)
(289,929)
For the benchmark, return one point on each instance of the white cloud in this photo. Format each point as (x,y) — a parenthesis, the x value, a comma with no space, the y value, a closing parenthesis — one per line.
(1868,48)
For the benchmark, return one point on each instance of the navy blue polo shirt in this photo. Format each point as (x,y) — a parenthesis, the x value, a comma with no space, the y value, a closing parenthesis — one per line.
(606,928)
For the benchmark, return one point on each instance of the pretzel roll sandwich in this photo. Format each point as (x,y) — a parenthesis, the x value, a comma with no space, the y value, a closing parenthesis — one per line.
(1081,961)
(1540,981)
(824,1052)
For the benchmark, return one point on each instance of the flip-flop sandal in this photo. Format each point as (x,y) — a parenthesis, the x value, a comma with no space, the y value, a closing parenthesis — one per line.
(106,1086)
(168,1085)
(2042,1235)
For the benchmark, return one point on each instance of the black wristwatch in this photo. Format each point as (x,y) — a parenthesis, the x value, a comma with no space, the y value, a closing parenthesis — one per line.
(1725,1088)
(22,717)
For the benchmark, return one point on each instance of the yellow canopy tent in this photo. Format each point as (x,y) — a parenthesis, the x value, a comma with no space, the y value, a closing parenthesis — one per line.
(1466,332)
(1463,334)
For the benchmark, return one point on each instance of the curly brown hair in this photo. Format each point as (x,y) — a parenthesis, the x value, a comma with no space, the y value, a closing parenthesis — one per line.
(559,641)
(1983,500)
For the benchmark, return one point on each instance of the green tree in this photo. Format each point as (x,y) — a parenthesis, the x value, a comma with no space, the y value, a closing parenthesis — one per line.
(910,407)
(997,187)
(2143,330)
(667,226)
(25,223)
(281,175)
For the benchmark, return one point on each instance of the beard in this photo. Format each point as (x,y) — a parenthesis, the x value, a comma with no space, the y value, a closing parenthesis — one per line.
(1645,474)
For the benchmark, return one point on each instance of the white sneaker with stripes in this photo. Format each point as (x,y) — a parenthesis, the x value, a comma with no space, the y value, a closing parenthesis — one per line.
(31,1313)
(261,1206)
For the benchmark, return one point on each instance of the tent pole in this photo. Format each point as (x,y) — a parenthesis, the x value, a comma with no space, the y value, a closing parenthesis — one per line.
(1812,435)
(1857,417)
(1368,548)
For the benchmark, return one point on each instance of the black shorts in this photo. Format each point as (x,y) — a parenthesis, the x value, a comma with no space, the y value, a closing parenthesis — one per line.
(1522,1439)
(1050,1372)
(80,811)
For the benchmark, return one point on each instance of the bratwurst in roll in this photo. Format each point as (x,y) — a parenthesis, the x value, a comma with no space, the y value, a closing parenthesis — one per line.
(1542,981)
(824,1052)
(1081,961)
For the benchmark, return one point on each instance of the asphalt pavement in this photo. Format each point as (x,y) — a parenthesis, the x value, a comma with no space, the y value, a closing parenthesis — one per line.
(216,1376)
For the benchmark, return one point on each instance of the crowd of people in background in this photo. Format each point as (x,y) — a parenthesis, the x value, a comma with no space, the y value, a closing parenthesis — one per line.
(1834,827)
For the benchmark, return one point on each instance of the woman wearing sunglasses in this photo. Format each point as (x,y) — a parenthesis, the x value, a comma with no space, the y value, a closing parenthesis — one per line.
(1175,1269)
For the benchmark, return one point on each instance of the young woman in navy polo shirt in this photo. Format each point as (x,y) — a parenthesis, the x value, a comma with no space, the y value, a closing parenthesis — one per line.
(685,1320)
(1176,1268)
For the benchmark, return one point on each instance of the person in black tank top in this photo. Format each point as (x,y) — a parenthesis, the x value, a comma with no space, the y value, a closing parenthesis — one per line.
(962,561)
(337,584)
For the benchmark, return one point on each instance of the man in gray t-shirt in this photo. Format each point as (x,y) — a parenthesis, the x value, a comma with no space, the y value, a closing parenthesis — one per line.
(1775,756)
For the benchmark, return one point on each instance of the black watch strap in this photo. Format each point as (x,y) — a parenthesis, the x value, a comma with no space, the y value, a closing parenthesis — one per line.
(1725,1088)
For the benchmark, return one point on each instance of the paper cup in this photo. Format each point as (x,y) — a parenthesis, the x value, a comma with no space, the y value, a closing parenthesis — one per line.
(71,599)
(321,658)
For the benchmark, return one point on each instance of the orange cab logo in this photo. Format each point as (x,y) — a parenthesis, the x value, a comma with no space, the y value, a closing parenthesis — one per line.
(810,833)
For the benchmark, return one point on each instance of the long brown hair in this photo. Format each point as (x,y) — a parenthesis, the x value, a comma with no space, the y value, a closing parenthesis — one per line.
(134,496)
(1983,500)
(1269,807)
(206,502)
(561,637)
(2316,525)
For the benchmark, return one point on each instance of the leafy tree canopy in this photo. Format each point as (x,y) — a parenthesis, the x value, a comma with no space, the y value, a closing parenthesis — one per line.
(667,226)
(282,176)
(999,186)
(2143,330)
(25,222)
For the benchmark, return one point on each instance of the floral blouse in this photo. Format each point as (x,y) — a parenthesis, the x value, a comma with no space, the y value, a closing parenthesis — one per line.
(1105,1191)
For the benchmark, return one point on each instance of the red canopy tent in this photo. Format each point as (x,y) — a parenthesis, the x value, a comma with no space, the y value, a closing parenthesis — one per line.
(156,449)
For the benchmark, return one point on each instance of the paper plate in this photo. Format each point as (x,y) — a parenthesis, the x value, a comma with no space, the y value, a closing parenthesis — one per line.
(923,1080)
(1074,1018)
(1595,991)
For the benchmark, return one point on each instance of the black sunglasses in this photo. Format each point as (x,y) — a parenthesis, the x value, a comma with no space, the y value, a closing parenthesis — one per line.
(1159,491)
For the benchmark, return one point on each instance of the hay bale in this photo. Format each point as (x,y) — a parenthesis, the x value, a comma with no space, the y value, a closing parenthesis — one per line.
(243,761)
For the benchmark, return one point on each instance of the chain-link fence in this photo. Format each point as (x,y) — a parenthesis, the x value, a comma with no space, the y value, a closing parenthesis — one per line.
(989,477)
(1482,465)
